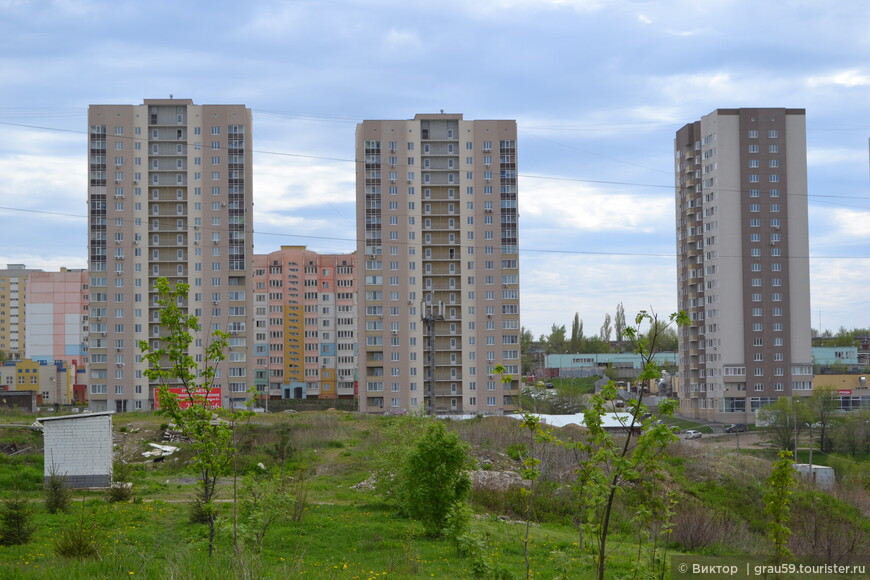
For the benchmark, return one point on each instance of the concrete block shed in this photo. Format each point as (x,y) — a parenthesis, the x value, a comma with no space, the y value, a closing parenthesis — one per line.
(79,447)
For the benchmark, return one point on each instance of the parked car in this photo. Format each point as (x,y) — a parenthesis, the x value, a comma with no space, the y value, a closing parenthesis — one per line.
(736,428)
(692,434)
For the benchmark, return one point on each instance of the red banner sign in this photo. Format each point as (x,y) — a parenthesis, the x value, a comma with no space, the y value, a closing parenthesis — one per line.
(212,397)
(844,392)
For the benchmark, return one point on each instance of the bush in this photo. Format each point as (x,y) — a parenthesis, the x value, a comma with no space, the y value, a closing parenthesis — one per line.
(121,489)
(16,520)
(434,477)
(57,495)
(82,538)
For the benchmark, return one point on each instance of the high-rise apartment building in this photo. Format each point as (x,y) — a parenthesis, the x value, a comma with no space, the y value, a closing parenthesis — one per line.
(305,321)
(13,289)
(169,195)
(438,264)
(57,316)
(743,261)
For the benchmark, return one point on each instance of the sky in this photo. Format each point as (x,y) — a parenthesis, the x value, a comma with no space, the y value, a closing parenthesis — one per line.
(598,89)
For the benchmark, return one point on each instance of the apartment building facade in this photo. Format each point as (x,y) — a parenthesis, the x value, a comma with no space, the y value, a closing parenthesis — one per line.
(438,264)
(57,316)
(743,261)
(169,195)
(13,314)
(305,321)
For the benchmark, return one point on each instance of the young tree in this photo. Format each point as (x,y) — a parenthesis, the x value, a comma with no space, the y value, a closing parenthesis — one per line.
(777,501)
(171,364)
(609,464)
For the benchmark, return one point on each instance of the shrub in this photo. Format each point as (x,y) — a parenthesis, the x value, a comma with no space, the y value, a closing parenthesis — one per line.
(57,495)
(16,520)
(434,477)
(82,538)
(121,489)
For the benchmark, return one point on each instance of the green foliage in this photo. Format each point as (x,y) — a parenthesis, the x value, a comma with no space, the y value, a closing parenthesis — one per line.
(81,538)
(610,465)
(172,364)
(57,495)
(121,488)
(399,435)
(434,477)
(517,451)
(786,419)
(777,500)
(265,498)
(17,525)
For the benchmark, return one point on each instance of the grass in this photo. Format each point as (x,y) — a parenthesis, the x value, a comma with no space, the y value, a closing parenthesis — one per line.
(344,532)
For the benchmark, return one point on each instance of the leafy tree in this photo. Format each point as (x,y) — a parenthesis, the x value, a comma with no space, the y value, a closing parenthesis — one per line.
(619,324)
(786,419)
(171,364)
(779,488)
(556,343)
(606,329)
(434,479)
(526,339)
(576,343)
(822,407)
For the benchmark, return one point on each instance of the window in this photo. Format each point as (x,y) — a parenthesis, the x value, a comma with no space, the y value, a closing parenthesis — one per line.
(772,134)
(773,163)
(753,163)
(753,134)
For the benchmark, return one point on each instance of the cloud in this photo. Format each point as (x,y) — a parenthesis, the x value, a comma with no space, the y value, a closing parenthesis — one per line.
(586,208)
(847,78)
(836,156)
(401,42)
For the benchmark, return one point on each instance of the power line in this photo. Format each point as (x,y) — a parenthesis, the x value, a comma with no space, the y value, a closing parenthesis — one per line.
(420,244)
(404,165)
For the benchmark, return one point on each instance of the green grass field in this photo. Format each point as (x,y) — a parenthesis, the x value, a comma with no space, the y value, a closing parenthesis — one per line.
(351,533)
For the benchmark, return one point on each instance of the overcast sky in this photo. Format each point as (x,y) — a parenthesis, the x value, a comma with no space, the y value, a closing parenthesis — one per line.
(598,89)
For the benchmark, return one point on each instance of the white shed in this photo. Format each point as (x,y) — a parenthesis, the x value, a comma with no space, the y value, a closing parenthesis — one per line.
(79,447)
(819,475)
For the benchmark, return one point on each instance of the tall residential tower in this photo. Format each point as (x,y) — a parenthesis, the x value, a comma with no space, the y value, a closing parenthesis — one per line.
(169,195)
(439,265)
(743,261)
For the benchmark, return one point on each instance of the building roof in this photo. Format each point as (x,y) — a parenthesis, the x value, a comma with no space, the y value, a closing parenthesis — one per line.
(78,416)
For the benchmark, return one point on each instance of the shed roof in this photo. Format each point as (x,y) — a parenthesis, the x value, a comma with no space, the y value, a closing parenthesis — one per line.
(77,416)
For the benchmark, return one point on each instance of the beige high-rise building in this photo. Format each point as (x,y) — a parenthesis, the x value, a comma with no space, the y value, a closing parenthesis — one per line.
(743,261)
(169,195)
(305,318)
(438,263)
